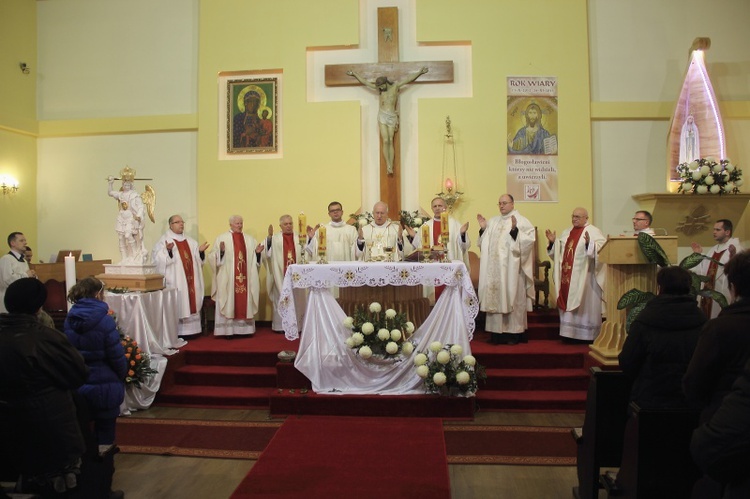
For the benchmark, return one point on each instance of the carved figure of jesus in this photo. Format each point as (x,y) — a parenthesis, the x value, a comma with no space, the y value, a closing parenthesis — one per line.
(388,113)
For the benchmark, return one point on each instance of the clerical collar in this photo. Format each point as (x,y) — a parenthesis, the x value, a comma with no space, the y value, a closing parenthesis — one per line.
(385,224)
(337,224)
(506,217)
(175,236)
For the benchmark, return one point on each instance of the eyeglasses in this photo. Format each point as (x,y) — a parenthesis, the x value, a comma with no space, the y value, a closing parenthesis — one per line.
(503,203)
(640,219)
(335,210)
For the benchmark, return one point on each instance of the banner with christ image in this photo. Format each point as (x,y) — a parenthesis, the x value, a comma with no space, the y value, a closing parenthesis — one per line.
(532,138)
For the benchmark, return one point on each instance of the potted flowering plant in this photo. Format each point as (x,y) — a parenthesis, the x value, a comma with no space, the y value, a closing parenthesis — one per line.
(379,334)
(446,372)
(706,175)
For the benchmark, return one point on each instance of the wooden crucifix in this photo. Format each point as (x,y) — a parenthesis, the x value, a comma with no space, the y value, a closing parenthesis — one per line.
(387,76)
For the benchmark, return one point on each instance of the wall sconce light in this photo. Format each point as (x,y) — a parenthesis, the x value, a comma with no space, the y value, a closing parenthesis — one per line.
(25,69)
(8,185)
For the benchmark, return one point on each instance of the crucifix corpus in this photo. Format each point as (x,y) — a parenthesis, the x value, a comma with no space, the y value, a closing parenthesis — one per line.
(387,76)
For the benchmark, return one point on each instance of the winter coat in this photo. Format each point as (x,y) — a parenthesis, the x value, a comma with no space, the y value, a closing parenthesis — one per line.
(658,349)
(93,332)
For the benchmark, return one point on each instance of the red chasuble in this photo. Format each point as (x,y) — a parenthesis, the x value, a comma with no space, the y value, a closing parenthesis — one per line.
(186,257)
(566,269)
(290,255)
(240,276)
(437,231)
(707,303)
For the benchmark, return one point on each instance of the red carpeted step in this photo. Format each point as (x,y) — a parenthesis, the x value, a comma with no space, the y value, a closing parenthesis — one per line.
(535,379)
(543,331)
(532,355)
(232,358)
(531,401)
(226,376)
(215,396)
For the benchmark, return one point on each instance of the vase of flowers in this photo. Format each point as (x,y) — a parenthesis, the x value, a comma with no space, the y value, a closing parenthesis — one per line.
(446,371)
(708,176)
(379,334)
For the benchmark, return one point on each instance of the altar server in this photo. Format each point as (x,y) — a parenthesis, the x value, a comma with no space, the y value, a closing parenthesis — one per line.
(13,266)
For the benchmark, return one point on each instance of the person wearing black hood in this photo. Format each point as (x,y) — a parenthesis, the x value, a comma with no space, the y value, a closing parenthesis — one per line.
(39,429)
(661,342)
(93,331)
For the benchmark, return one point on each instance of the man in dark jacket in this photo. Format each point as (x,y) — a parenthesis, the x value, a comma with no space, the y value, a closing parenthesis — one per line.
(661,341)
(39,368)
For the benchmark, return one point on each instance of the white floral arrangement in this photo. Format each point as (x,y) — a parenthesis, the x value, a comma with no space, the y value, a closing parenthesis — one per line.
(411,219)
(362,219)
(706,175)
(446,372)
(379,334)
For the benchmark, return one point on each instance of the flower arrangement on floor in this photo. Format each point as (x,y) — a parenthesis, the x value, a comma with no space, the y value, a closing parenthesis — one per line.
(446,372)
(706,175)
(379,334)
(139,363)
(411,219)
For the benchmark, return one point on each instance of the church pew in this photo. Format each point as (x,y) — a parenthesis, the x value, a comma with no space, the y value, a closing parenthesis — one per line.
(656,460)
(600,440)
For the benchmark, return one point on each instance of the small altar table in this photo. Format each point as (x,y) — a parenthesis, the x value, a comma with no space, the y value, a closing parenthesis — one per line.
(323,356)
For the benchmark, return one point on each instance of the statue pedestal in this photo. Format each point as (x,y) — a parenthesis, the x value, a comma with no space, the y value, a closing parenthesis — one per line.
(132,277)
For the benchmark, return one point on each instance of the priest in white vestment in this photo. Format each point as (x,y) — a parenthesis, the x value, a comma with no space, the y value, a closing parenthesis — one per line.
(642,221)
(506,272)
(381,233)
(13,265)
(235,261)
(458,240)
(180,259)
(726,247)
(340,236)
(579,277)
(282,250)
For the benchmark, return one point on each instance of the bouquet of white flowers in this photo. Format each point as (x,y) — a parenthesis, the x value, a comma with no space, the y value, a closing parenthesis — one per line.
(379,334)
(706,175)
(446,372)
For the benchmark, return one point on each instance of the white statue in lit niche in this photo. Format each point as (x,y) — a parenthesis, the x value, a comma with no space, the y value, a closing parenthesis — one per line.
(690,147)
(132,210)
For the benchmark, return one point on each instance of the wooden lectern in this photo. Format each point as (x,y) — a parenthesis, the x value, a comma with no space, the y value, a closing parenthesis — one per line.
(627,268)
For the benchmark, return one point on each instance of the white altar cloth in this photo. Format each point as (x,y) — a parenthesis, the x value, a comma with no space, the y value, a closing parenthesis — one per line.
(151,320)
(323,356)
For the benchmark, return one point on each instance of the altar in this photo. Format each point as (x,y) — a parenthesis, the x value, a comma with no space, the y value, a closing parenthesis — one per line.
(323,356)
(151,320)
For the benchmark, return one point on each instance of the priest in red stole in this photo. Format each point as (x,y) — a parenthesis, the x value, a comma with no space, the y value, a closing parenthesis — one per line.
(579,277)
(235,261)
(282,250)
(180,259)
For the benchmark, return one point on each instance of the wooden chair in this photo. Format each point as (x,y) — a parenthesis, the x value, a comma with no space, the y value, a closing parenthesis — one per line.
(56,304)
(541,275)
(600,440)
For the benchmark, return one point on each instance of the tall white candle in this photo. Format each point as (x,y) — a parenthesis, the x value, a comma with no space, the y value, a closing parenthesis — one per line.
(70,275)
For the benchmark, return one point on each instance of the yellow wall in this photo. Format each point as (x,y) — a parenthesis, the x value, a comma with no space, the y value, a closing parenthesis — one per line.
(18,117)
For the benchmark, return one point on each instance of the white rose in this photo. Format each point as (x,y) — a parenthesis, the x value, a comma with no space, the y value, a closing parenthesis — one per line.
(395,335)
(463,377)
(384,334)
(362,221)
(375,307)
(358,339)
(717,168)
(469,360)
(457,350)
(407,348)
(693,165)
(417,221)
(439,379)
(368,328)
(436,346)
(730,167)
(738,182)
(420,359)
(687,187)
(704,170)
(696,175)
(391,347)
(390,313)
(423,371)
(350,342)
(710,180)
(715,189)
(443,356)
(349,322)
(409,327)
(701,189)
(365,352)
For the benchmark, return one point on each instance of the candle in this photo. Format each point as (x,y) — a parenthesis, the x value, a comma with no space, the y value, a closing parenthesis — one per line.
(426,236)
(70,275)
(322,240)
(302,229)
(444,231)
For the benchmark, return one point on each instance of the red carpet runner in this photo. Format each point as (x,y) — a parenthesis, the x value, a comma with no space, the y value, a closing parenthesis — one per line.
(351,457)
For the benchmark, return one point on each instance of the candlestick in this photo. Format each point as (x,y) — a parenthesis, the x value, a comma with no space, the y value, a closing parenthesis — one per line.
(322,240)
(70,275)
(302,229)
(426,243)
(444,230)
